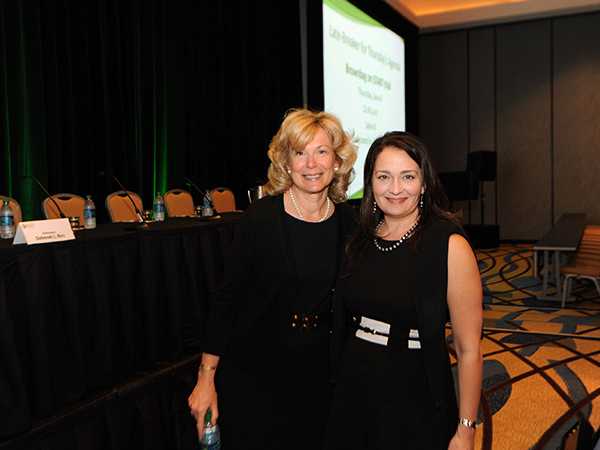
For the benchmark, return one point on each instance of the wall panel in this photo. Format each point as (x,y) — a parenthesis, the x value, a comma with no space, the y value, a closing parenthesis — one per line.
(532,94)
(482,112)
(524,129)
(577,115)
(443,98)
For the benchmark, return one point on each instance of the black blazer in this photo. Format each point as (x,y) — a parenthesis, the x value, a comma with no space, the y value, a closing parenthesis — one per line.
(258,270)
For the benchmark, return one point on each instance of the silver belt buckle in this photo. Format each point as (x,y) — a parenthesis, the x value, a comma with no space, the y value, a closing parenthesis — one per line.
(379,333)
(413,340)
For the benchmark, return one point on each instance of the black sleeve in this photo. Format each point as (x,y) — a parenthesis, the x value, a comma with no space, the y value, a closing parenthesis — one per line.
(223,302)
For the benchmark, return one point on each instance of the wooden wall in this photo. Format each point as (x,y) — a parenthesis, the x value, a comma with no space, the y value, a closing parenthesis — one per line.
(531,92)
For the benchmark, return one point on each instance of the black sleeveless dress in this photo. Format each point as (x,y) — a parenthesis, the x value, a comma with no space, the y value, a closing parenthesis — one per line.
(282,402)
(381,399)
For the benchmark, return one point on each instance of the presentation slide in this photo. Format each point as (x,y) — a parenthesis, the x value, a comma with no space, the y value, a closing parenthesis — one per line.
(364,77)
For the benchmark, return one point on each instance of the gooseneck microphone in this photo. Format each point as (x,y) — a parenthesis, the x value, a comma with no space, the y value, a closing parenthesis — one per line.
(195,186)
(142,221)
(43,188)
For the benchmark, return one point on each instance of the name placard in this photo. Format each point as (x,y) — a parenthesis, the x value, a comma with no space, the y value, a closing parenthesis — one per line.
(43,231)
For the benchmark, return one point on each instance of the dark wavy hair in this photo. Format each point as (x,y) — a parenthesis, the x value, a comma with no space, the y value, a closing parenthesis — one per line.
(435,201)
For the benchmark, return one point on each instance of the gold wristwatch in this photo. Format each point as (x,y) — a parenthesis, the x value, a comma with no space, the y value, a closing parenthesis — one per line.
(467,423)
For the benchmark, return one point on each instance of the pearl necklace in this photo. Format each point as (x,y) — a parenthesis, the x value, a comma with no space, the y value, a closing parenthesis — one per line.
(299,211)
(396,244)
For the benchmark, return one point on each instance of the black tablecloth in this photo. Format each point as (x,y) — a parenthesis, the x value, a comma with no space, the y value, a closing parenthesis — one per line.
(78,318)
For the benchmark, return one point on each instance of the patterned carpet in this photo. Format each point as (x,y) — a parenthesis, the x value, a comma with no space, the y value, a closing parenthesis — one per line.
(541,363)
(507,275)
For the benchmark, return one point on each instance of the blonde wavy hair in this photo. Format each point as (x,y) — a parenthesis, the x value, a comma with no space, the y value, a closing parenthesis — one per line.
(298,128)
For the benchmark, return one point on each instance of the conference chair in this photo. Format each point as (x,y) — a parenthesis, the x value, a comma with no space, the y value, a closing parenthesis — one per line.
(579,437)
(223,199)
(16,208)
(586,263)
(179,203)
(120,208)
(70,204)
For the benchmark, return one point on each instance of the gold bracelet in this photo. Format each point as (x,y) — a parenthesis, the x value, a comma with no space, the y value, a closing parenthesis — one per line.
(467,423)
(206,368)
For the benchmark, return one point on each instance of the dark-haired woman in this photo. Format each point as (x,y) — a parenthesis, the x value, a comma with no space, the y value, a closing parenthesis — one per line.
(409,270)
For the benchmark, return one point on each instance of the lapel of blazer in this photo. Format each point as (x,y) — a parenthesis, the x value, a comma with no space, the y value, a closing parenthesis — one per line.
(285,243)
(277,233)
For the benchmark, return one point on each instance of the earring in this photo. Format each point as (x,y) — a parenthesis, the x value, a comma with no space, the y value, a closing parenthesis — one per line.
(374,207)
(289,171)
(336,168)
(421,201)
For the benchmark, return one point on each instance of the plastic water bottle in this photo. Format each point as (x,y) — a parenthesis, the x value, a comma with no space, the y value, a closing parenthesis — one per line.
(89,214)
(207,207)
(159,208)
(7,221)
(211,438)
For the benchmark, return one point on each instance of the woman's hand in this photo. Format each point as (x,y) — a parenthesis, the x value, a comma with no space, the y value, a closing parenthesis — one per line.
(463,439)
(202,398)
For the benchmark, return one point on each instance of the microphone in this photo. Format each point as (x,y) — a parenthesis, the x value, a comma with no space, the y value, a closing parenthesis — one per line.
(142,221)
(204,194)
(39,183)
(195,186)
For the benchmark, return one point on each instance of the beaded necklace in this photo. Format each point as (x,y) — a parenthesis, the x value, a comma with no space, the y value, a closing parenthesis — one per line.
(299,211)
(396,244)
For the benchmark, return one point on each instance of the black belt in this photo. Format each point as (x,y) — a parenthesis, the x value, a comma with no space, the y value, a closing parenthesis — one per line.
(309,321)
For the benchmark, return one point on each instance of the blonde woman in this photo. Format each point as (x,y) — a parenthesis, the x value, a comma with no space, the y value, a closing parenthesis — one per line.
(267,336)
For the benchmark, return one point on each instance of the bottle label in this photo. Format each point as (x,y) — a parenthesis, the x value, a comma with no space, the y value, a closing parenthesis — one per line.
(7,221)
(159,211)
(211,439)
(89,213)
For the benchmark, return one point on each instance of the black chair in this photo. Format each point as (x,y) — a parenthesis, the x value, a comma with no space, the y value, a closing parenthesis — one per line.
(579,437)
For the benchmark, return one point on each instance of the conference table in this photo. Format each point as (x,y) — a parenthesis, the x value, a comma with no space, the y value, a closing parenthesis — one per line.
(84,320)
(562,238)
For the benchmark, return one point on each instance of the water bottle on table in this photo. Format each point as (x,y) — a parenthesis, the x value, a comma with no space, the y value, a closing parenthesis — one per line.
(7,221)
(159,208)
(211,438)
(89,214)
(207,206)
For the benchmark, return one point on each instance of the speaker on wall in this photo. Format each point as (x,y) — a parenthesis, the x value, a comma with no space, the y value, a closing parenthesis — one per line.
(482,164)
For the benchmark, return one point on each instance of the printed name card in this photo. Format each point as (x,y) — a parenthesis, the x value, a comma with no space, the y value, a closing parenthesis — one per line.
(43,231)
